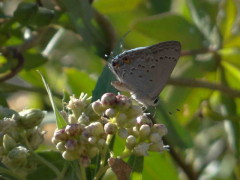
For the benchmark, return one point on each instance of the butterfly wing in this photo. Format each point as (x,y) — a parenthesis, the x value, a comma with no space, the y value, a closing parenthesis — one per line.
(146,70)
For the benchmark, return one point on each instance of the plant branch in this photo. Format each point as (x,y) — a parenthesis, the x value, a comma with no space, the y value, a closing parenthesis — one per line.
(12,88)
(13,53)
(187,168)
(196,51)
(204,84)
(107,28)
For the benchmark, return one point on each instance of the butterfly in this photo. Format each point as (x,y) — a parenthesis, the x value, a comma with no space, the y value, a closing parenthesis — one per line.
(145,71)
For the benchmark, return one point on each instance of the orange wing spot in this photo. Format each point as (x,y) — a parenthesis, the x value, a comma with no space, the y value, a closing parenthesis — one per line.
(126,60)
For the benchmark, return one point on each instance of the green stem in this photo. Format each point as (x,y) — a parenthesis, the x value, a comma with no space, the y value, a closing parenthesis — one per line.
(100,172)
(102,167)
(64,170)
(82,172)
(10,173)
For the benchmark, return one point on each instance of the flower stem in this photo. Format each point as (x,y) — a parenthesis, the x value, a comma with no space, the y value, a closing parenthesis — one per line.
(102,167)
(10,173)
(82,172)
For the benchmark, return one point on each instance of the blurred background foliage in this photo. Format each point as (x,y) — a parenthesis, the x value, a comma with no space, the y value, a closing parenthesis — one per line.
(68,40)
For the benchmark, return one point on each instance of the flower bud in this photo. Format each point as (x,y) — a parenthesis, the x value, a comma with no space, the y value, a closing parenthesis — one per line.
(108,99)
(101,142)
(110,128)
(110,112)
(123,102)
(69,155)
(92,140)
(95,129)
(5,112)
(83,119)
(72,119)
(71,144)
(8,143)
(30,118)
(93,152)
(135,131)
(61,146)
(98,107)
(36,139)
(72,129)
(131,141)
(134,111)
(78,105)
(121,119)
(160,129)
(143,119)
(155,137)
(18,155)
(54,140)
(144,131)
(158,147)
(85,161)
(60,135)
(131,123)
(123,133)
(141,149)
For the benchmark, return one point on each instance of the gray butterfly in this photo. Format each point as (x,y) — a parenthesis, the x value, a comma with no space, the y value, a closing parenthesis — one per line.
(144,71)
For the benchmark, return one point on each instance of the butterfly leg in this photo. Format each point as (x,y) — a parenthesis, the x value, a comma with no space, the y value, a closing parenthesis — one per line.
(120,86)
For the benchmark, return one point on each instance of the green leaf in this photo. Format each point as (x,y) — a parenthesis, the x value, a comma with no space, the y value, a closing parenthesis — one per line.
(79,81)
(159,166)
(60,120)
(226,18)
(178,135)
(105,79)
(136,163)
(116,6)
(81,15)
(25,11)
(33,59)
(45,172)
(175,28)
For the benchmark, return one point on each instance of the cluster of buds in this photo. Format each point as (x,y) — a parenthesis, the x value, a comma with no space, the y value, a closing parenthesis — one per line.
(130,123)
(89,125)
(19,134)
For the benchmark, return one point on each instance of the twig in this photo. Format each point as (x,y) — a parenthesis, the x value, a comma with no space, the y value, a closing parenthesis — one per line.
(190,173)
(12,88)
(204,84)
(13,52)
(108,29)
(197,51)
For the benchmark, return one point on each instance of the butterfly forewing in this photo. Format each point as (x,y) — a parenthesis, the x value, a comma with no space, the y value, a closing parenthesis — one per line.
(146,70)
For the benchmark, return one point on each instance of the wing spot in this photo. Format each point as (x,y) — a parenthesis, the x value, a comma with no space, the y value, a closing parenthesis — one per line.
(140,76)
(147,70)
(161,58)
(156,60)
(150,80)
(152,67)
(131,73)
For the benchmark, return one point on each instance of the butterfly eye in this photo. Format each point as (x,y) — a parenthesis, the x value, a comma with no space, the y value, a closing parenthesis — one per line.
(155,102)
(114,63)
(126,60)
